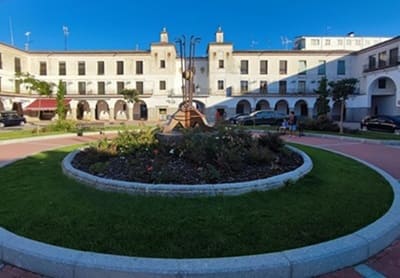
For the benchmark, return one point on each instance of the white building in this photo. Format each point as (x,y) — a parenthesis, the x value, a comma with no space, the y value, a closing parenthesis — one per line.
(228,79)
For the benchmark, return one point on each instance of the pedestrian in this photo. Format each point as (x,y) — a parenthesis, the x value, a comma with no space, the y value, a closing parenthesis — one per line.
(292,122)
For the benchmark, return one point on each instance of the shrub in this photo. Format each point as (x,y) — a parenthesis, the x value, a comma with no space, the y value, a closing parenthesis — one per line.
(62,125)
(322,123)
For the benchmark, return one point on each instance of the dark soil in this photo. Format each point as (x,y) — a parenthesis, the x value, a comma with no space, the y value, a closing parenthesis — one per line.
(150,169)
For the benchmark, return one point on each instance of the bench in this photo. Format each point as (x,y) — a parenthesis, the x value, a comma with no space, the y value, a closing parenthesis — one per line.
(89,126)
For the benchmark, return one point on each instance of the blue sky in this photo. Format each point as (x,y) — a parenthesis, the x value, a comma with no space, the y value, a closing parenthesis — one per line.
(251,24)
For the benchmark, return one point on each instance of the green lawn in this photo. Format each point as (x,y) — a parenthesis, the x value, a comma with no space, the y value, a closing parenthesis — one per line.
(38,202)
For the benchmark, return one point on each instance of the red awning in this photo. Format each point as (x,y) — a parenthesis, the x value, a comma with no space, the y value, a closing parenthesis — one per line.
(45,104)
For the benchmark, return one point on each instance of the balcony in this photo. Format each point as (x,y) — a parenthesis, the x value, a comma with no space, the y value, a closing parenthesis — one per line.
(393,62)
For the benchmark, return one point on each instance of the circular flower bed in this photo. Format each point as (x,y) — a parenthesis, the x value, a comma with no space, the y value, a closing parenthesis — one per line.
(226,155)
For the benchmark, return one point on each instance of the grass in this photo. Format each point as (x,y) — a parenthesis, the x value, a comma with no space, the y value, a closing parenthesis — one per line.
(17,134)
(38,202)
(376,135)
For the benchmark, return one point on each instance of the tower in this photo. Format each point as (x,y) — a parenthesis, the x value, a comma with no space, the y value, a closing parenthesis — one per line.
(219,35)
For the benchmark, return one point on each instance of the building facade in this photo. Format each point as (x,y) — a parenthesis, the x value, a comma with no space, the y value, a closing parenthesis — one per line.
(226,79)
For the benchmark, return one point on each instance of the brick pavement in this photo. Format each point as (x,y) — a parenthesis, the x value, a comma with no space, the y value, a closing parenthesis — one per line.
(384,264)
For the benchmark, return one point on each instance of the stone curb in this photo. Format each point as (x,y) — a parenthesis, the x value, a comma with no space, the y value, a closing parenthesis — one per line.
(183,190)
(301,262)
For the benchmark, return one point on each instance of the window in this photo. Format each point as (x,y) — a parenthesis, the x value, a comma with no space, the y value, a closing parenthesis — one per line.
(163,85)
(340,42)
(358,42)
(372,62)
(263,87)
(341,67)
(162,64)
(64,84)
(348,42)
(82,88)
(81,68)
(101,88)
(301,86)
(120,86)
(139,87)
(283,67)
(322,67)
(17,85)
(0,83)
(100,67)
(314,42)
(1,62)
(302,67)
(17,65)
(43,68)
(139,67)
(282,87)
(327,42)
(382,59)
(393,57)
(62,68)
(221,64)
(120,67)
(244,67)
(220,84)
(382,83)
(263,67)
(244,86)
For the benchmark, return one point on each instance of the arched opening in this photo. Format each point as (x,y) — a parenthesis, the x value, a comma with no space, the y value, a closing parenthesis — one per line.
(336,111)
(121,110)
(262,105)
(282,106)
(383,96)
(243,106)
(301,108)
(83,110)
(102,110)
(140,111)
(1,106)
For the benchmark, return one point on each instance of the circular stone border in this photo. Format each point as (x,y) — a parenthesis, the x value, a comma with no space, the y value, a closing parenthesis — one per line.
(185,190)
(307,261)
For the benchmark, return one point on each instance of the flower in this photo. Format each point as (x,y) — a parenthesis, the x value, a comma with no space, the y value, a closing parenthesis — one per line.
(149,168)
(171,151)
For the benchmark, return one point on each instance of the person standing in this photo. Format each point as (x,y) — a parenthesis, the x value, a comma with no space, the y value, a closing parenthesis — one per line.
(292,123)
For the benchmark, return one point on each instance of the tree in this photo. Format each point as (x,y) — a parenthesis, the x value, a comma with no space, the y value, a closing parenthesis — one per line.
(322,102)
(43,88)
(61,109)
(130,95)
(341,90)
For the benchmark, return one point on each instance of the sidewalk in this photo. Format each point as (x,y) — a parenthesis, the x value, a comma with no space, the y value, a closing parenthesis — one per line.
(384,264)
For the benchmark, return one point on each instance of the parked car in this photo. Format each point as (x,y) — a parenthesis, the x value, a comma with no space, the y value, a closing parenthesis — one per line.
(11,118)
(233,119)
(262,117)
(381,123)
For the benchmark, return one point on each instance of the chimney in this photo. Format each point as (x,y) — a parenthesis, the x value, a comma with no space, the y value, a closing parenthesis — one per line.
(219,35)
(164,36)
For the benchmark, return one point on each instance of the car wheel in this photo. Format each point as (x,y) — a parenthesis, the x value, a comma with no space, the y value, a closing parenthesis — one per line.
(22,123)
(1,124)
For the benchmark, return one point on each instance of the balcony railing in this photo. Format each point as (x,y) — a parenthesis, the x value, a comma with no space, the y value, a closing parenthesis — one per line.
(393,62)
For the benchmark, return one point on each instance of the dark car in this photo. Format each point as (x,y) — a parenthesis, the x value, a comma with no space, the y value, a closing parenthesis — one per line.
(11,118)
(233,119)
(381,123)
(262,117)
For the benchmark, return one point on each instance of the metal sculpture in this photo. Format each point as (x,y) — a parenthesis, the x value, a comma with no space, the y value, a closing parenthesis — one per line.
(187,115)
